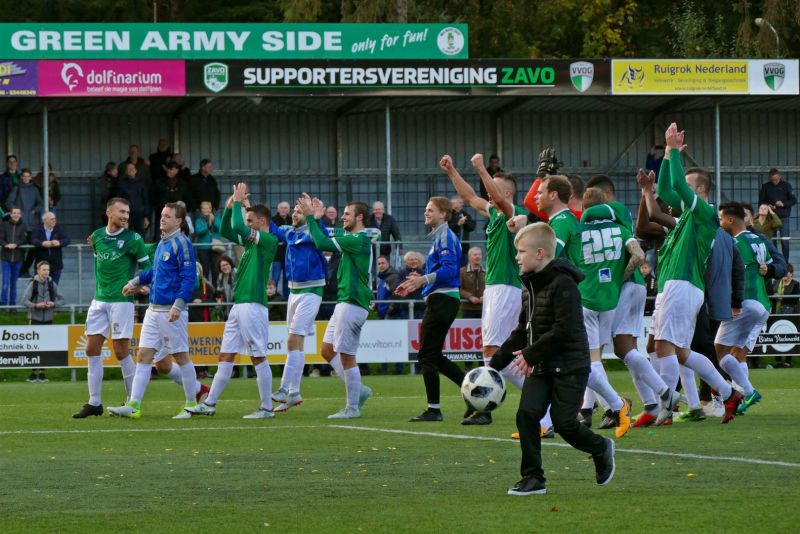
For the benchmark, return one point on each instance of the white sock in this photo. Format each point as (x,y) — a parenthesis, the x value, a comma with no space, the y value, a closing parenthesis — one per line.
(336,363)
(435,406)
(352,384)
(546,421)
(748,388)
(221,377)
(128,369)
(642,369)
(264,381)
(645,392)
(689,386)
(703,367)
(598,381)
(175,374)
(670,370)
(290,380)
(95,379)
(655,361)
(733,368)
(190,384)
(141,379)
(589,396)
(486,360)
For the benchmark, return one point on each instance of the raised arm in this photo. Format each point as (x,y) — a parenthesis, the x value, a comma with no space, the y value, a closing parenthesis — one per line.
(463,189)
(491,187)
(636,257)
(650,220)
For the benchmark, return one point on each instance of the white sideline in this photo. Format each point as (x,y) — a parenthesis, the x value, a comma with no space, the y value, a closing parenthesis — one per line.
(739,459)
(564,445)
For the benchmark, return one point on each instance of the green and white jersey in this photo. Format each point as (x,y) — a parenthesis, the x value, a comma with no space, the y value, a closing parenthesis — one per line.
(602,261)
(115,259)
(501,263)
(568,238)
(355,267)
(754,252)
(620,214)
(252,275)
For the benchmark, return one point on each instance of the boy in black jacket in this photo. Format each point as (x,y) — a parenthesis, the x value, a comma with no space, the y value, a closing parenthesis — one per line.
(550,348)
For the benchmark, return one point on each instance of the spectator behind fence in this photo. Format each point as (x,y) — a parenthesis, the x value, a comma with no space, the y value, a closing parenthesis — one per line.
(204,187)
(169,189)
(492,168)
(134,190)
(282,217)
(473,284)
(651,285)
(226,279)
(414,262)
(109,188)
(142,168)
(13,234)
(203,293)
(766,222)
(207,238)
(386,224)
(777,194)
(461,223)
(785,286)
(654,158)
(331,218)
(9,178)
(53,190)
(277,304)
(27,197)
(42,297)
(158,162)
(184,174)
(50,238)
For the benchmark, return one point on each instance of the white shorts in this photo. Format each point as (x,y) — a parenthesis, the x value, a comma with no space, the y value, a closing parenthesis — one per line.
(630,310)
(501,307)
(344,328)
(652,329)
(158,333)
(676,314)
(246,330)
(114,316)
(742,331)
(301,311)
(598,327)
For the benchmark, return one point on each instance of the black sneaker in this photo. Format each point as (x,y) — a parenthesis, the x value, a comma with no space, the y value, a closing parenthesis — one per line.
(88,410)
(528,486)
(604,464)
(478,418)
(32,377)
(469,411)
(431,414)
(585,417)
(610,420)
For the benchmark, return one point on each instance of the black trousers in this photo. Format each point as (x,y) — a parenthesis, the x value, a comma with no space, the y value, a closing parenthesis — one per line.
(471,314)
(564,395)
(705,330)
(439,315)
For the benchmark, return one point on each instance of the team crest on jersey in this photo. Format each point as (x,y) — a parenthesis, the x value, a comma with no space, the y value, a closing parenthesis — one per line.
(165,257)
(604,275)
(115,328)
(120,243)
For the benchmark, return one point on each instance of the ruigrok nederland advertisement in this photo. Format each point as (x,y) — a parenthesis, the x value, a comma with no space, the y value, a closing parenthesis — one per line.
(119,78)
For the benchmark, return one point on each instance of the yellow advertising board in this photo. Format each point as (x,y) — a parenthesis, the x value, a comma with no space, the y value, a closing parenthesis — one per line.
(205,340)
(679,76)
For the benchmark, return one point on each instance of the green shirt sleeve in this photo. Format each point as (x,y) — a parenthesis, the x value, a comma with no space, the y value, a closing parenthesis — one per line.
(321,241)
(226,230)
(664,185)
(139,251)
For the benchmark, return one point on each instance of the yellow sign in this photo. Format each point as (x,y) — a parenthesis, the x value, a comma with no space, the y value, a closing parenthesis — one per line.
(686,76)
(205,340)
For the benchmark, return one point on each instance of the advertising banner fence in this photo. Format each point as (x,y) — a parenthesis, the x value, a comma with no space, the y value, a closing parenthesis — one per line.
(106,78)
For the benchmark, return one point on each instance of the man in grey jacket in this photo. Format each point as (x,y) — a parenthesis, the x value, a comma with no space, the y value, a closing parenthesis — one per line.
(42,296)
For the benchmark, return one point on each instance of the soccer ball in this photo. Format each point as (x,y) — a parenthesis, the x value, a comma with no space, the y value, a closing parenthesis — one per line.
(484,389)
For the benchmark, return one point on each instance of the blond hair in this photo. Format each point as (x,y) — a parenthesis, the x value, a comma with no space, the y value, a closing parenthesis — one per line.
(539,235)
(593,196)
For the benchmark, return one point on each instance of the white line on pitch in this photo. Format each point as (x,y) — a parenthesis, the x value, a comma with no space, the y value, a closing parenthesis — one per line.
(634,451)
(175,429)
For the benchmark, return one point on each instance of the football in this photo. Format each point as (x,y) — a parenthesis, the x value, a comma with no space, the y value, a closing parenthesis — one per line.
(484,389)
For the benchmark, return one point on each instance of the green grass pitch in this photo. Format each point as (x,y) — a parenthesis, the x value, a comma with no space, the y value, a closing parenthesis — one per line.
(299,472)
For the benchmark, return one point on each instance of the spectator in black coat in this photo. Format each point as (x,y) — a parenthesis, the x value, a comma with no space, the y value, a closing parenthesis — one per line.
(13,234)
(159,160)
(204,187)
(414,262)
(109,188)
(134,190)
(493,168)
(784,287)
(461,223)
(50,238)
(10,178)
(386,224)
(778,195)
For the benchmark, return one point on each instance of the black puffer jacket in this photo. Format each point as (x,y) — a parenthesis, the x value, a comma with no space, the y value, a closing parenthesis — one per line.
(551,333)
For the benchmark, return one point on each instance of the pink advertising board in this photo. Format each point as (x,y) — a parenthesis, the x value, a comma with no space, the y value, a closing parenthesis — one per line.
(118,78)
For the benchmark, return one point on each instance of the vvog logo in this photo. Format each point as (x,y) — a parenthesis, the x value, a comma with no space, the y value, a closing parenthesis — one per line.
(450,41)
(215,76)
(774,75)
(581,73)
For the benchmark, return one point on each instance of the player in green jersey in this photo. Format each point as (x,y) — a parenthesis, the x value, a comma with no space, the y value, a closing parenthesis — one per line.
(626,326)
(681,276)
(502,298)
(117,253)
(247,328)
(737,337)
(340,344)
